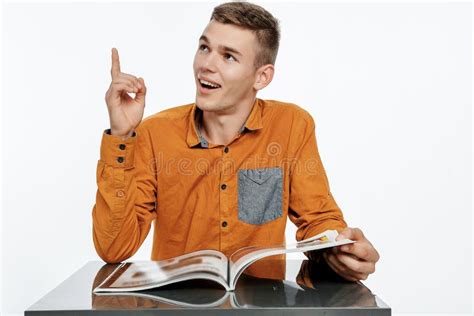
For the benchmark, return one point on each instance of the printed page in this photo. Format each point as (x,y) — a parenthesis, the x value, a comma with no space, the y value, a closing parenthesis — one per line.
(243,257)
(175,297)
(148,274)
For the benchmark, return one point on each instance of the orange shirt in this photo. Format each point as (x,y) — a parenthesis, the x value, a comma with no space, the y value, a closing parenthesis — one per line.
(206,196)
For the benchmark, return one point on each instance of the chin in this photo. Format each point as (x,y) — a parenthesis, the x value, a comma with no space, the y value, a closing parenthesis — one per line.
(206,105)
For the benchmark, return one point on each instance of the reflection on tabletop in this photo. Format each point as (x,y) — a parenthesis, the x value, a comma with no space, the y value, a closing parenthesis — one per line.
(316,285)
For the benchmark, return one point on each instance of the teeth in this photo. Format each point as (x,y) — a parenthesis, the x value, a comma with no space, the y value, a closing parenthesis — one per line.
(209,83)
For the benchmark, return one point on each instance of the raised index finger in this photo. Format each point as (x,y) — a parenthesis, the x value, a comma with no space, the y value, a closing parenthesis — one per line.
(115,63)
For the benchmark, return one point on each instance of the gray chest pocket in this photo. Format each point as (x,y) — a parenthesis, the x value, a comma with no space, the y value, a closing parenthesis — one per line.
(259,195)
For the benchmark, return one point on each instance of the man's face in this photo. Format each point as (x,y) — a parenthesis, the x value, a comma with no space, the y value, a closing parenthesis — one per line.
(225,57)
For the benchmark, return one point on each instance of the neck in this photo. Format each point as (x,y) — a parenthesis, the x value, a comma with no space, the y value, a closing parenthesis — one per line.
(221,127)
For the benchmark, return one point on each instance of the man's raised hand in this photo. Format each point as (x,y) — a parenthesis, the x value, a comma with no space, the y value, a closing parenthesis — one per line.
(125,112)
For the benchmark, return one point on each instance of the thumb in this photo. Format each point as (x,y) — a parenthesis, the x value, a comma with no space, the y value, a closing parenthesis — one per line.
(141,93)
(351,233)
(345,234)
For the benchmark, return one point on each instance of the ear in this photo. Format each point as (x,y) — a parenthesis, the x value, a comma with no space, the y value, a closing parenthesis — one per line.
(264,76)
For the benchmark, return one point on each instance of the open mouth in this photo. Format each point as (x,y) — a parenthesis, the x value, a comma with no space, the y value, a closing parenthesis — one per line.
(208,85)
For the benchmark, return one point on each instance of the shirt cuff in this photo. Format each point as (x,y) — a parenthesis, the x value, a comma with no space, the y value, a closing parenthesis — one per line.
(116,152)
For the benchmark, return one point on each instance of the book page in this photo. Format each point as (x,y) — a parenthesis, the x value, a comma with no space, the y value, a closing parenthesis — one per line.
(147,274)
(243,257)
(181,297)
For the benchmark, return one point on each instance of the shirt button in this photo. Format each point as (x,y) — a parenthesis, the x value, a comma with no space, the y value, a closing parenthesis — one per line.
(226,150)
(224,224)
(122,146)
(120,193)
(223,186)
(120,159)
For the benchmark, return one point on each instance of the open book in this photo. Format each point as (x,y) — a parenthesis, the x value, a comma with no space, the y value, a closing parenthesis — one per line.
(204,264)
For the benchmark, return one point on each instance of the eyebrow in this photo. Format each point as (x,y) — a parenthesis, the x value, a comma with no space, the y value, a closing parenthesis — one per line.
(226,48)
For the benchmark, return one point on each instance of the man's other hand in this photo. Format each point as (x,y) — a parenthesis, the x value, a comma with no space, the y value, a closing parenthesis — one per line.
(355,261)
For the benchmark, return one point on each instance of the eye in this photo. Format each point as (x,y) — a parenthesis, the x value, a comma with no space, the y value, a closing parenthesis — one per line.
(229,55)
(201,47)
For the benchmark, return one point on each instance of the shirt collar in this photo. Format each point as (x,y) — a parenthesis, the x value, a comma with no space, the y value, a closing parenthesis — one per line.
(194,137)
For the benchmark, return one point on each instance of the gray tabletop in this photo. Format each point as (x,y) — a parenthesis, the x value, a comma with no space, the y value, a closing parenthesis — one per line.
(308,289)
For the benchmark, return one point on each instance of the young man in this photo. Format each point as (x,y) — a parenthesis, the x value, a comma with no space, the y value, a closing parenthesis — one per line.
(223,172)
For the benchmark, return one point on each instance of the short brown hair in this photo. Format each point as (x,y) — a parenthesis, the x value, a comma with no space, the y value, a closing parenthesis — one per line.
(255,18)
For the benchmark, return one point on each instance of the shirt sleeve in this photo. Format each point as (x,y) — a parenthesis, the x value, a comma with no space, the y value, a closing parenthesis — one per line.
(126,195)
(312,207)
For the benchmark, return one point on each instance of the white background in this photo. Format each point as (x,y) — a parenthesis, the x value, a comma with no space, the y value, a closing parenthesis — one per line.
(389,86)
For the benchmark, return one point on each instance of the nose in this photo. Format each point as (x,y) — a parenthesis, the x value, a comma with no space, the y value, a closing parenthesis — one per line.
(209,63)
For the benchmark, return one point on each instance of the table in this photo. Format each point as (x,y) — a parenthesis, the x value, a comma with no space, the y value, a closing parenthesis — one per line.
(309,288)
